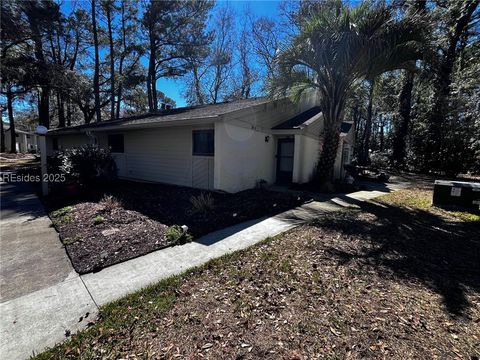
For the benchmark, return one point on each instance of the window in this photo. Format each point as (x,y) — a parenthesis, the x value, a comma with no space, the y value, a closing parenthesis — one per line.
(203,142)
(115,143)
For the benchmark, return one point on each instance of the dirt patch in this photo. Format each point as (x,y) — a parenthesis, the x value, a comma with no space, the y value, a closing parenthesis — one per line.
(386,282)
(174,205)
(95,237)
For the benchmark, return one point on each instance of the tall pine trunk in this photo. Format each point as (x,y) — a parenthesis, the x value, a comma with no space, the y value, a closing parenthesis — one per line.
(61,110)
(120,66)
(96,75)
(151,81)
(112,62)
(13,138)
(2,136)
(403,123)
(441,86)
(364,156)
(69,112)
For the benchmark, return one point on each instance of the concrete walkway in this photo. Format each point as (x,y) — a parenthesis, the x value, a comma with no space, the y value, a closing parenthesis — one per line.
(119,280)
(31,321)
(41,296)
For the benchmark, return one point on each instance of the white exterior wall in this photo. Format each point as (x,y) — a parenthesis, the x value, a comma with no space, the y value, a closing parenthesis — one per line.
(22,143)
(337,170)
(242,157)
(305,158)
(158,154)
(310,151)
(162,155)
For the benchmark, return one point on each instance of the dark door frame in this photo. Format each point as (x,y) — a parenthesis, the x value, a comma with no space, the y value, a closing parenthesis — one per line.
(284,177)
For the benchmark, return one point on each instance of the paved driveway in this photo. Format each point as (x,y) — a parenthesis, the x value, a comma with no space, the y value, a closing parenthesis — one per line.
(41,296)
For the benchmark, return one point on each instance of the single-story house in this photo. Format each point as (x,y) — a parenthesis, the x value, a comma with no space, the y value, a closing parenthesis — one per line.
(26,141)
(230,146)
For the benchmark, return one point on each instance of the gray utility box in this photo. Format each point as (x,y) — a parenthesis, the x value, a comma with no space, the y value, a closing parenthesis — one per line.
(456,194)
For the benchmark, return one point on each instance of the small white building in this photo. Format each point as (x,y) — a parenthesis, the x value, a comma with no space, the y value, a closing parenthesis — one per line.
(25,141)
(230,146)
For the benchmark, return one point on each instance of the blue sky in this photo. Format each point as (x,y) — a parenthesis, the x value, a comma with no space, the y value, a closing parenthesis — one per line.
(173,88)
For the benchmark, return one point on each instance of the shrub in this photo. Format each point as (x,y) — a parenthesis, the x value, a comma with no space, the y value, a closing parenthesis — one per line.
(98,220)
(61,216)
(202,203)
(85,164)
(379,160)
(176,235)
(110,203)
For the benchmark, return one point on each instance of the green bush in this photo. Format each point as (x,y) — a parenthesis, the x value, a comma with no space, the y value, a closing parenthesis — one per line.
(176,235)
(85,164)
(98,220)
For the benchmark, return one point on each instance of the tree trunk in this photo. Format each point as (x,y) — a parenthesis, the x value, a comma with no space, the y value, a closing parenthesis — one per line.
(198,86)
(112,62)
(44,106)
(2,135)
(69,112)
(151,87)
(61,110)
(327,158)
(368,126)
(403,123)
(120,66)
(44,90)
(96,75)
(13,138)
(441,87)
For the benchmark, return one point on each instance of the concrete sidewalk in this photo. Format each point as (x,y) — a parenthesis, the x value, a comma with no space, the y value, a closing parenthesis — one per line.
(41,296)
(36,314)
(119,280)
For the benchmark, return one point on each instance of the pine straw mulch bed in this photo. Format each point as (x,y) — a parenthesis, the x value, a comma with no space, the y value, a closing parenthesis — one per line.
(394,280)
(172,205)
(96,237)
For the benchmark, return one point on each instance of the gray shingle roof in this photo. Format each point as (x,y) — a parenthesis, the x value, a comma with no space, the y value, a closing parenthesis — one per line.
(297,121)
(186,113)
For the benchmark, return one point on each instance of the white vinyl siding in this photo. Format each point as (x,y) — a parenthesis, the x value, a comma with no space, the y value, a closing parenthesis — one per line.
(164,155)
(202,172)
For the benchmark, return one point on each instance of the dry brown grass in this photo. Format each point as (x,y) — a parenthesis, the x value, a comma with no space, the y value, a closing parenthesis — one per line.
(389,281)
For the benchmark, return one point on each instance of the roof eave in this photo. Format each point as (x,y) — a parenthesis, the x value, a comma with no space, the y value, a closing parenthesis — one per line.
(146,125)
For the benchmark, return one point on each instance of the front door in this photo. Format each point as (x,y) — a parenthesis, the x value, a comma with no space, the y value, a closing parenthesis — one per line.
(285,160)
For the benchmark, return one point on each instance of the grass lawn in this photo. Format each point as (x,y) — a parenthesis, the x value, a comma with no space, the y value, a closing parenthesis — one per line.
(396,279)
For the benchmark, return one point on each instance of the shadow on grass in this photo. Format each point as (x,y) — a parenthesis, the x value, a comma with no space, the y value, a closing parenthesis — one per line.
(414,245)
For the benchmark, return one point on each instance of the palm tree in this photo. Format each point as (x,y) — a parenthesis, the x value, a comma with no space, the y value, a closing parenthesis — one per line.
(336,48)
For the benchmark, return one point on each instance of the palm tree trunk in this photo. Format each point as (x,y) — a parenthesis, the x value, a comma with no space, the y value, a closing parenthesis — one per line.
(327,158)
